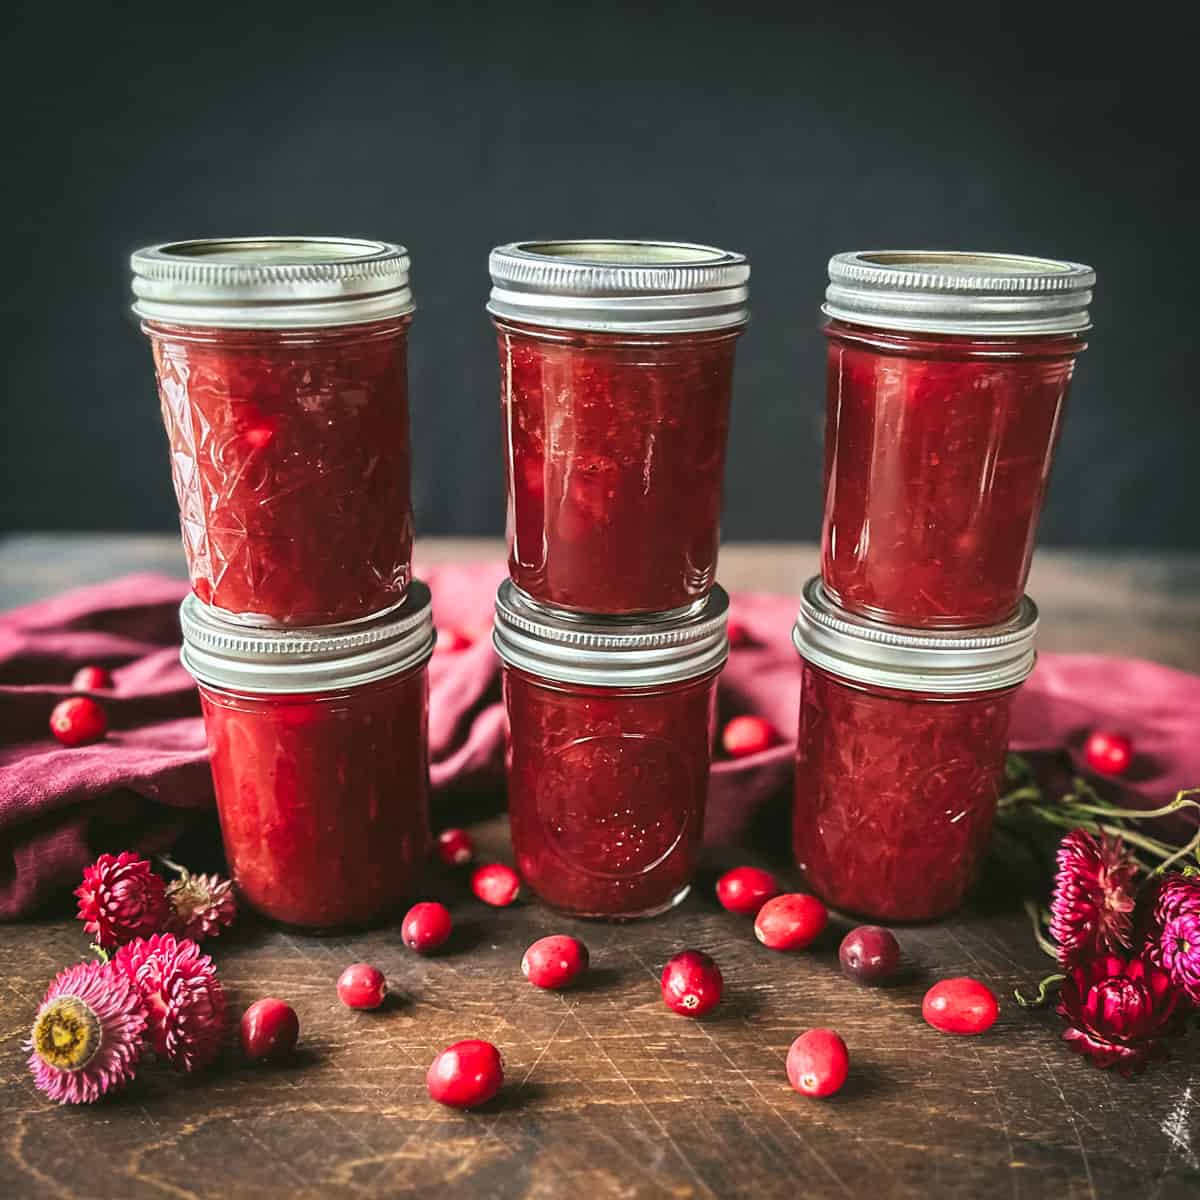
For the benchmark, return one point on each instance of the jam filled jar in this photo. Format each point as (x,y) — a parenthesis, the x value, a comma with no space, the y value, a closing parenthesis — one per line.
(282,373)
(900,755)
(319,749)
(610,729)
(616,367)
(947,375)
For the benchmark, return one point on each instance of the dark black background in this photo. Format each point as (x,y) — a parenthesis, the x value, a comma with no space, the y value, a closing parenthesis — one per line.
(784,132)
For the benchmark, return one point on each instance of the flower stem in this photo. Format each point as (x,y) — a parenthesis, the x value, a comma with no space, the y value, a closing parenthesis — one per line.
(1043,992)
(1037,919)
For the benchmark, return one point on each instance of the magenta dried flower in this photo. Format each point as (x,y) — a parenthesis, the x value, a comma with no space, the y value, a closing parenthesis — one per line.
(121,898)
(1173,936)
(87,1036)
(1092,905)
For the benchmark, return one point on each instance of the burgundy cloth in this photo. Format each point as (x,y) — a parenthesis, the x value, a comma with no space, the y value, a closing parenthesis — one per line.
(60,807)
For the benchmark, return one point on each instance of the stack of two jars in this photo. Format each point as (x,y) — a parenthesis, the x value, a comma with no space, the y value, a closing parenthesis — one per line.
(282,372)
(616,365)
(947,377)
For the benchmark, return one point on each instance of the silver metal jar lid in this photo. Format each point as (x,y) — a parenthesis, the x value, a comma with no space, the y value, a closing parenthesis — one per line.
(619,286)
(271,282)
(610,651)
(316,659)
(954,292)
(941,662)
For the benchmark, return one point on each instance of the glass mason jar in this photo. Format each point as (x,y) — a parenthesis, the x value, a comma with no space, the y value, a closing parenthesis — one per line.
(282,372)
(319,749)
(616,367)
(947,375)
(610,730)
(900,755)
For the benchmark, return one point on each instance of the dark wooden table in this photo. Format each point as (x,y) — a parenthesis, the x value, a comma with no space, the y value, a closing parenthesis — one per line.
(610,1094)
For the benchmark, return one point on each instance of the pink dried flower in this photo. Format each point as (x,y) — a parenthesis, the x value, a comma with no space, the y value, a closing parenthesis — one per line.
(183,997)
(121,898)
(1092,905)
(87,1036)
(1173,938)
(200,906)
(1118,1011)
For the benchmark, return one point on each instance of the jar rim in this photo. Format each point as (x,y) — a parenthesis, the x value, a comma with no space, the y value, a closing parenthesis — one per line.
(616,652)
(282,660)
(271,282)
(939,662)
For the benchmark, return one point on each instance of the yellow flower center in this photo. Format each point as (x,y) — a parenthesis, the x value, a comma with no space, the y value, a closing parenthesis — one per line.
(66,1034)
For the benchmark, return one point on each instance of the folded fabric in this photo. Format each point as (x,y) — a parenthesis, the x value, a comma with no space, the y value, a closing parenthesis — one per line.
(61,807)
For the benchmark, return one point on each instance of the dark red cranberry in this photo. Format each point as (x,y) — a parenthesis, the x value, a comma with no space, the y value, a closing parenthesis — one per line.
(555,962)
(466,1074)
(92,679)
(691,983)
(452,641)
(962,1005)
(744,890)
(869,953)
(790,922)
(748,735)
(426,926)
(1108,753)
(738,634)
(496,884)
(455,847)
(818,1063)
(78,721)
(362,986)
(270,1029)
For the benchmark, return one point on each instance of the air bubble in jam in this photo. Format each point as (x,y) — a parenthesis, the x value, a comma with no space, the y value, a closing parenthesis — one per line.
(937,455)
(895,793)
(290,458)
(606,790)
(615,453)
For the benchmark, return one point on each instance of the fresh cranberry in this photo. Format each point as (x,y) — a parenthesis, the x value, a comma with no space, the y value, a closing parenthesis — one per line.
(869,953)
(426,926)
(554,962)
(78,721)
(1108,753)
(452,641)
(790,922)
(744,736)
(496,884)
(960,1005)
(745,889)
(691,983)
(738,634)
(362,986)
(270,1029)
(92,679)
(455,847)
(466,1074)
(818,1063)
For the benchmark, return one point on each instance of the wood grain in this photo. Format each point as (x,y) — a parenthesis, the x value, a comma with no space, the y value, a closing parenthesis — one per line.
(610,1094)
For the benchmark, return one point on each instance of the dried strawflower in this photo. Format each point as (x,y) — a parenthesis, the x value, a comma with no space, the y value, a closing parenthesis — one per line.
(183,997)
(87,1037)
(199,906)
(120,899)
(1173,939)
(1118,1011)
(1092,905)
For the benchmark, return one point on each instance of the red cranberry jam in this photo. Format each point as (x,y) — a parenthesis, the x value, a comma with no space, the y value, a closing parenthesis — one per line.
(616,367)
(318,742)
(282,372)
(947,377)
(610,729)
(900,756)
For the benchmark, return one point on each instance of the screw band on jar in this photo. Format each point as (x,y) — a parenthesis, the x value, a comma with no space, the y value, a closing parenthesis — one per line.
(941,662)
(222,654)
(576,648)
(959,293)
(271,282)
(619,286)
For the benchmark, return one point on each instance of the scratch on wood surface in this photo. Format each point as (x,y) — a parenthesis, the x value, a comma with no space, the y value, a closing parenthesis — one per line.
(16,1148)
(1177,1130)
(995,1092)
(1083,1154)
